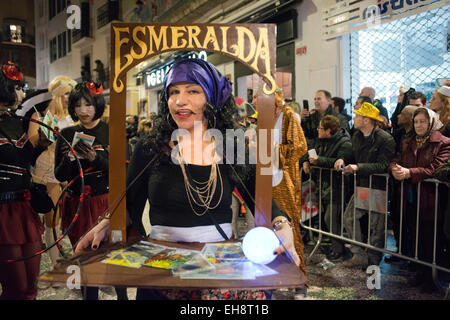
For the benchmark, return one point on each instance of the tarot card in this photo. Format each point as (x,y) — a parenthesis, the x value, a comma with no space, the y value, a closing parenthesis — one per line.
(225,271)
(196,264)
(262,270)
(170,258)
(224,251)
(127,258)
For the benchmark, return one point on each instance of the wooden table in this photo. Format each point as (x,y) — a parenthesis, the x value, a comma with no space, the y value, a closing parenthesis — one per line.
(98,274)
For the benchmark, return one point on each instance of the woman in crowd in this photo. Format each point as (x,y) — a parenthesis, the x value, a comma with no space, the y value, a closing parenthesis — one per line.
(43,171)
(440,103)
(420,156)
(195,98)
(334,143)
(20,226)
(86,105)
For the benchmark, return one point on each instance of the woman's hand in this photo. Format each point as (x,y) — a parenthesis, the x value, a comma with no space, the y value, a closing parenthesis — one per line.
(313,161)
(94,237)
(286,236)
(85,150)
(400,173)
(339,164)
(306,167)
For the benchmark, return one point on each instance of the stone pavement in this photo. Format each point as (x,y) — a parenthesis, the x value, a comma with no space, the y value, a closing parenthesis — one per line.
(336,283)
(326,283)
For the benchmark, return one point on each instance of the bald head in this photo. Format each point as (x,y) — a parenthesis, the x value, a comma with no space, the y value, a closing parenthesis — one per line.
(368,92)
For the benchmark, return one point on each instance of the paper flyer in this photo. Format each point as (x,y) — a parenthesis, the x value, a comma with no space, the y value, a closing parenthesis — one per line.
(80,136)
(51,122)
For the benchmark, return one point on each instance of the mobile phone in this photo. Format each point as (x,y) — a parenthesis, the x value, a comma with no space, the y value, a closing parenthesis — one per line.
(305,105)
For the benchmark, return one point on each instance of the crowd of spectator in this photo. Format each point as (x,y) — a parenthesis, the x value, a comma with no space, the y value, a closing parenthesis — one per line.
(411,146)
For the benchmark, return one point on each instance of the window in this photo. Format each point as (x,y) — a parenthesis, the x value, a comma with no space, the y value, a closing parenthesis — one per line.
(53,50)
(15,32)
(51,8)
(69,40)
(60,46)
(412,51)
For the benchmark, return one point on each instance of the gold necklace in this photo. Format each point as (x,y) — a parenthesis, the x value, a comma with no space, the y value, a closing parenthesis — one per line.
(204,190)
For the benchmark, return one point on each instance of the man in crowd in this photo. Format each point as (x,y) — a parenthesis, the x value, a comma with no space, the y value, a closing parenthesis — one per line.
(311,119)
(358,103)
(373,149)
(404,121)
(338,105)
(417,99)
(370,92)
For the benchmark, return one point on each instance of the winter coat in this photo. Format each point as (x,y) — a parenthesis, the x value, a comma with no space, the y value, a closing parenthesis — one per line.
(422,164)
(310,125)
(329,150)
(372,155)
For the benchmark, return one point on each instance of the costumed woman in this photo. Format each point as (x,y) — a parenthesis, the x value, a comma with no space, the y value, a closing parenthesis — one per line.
(20,226)
(291,143)
(43,171)
(195,205)
(86,105)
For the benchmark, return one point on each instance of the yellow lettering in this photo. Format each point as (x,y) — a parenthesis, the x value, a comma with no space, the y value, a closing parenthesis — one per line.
(177,32)
(211,37)
(262,52)
(157,39)
(139,42)
(193,32)
(242,32)
(224,40)
(118,69)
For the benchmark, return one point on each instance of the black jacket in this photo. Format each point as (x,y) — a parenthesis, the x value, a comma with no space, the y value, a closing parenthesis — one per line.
(310,125)
(372,154)
(329,150)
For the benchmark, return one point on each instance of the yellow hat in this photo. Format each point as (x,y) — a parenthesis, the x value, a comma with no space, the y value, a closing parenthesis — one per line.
(254,116)
(370,111)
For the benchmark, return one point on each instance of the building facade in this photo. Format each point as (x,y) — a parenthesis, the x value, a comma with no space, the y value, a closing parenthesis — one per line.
(318,46)
(17,37)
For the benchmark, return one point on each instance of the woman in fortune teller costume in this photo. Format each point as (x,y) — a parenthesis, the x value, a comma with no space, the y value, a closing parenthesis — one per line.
(20,226)
(43,171)
(190,194)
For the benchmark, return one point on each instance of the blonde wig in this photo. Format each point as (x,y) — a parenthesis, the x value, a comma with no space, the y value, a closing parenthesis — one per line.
(58,87)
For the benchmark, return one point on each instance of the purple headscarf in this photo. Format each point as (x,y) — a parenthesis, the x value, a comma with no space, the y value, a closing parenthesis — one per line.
(217,88)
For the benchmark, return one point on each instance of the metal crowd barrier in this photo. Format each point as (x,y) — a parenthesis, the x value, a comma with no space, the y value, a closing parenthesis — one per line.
(433,265)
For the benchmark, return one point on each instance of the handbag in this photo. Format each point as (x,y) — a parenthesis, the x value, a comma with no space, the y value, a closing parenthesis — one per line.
(40,200)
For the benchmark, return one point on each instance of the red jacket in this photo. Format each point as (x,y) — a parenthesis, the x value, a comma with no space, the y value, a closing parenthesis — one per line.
(421,163)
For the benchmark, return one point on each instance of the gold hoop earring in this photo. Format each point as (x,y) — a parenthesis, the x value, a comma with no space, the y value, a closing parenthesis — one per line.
(215,122)
(168,122)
